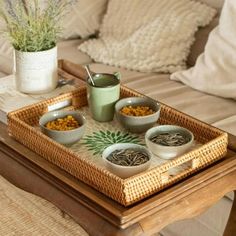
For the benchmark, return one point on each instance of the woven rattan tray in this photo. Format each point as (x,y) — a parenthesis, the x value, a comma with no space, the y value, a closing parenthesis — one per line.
(23,126)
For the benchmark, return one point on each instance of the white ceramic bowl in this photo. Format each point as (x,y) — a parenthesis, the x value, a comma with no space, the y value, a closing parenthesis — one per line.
(168,152)
(137,124)
(125,171)
(64,137)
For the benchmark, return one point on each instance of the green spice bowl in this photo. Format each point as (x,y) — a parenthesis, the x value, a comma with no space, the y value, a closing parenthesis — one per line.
(67,137)
(137,124)
(125,171)
(168,152)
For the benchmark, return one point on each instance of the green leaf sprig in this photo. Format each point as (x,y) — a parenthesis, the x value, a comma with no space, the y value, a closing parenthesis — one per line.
(98,141)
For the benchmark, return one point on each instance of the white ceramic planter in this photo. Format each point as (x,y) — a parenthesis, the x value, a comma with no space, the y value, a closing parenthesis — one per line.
(36,72)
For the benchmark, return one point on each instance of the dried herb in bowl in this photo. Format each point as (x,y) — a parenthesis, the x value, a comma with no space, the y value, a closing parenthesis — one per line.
(128,157)
(170,139)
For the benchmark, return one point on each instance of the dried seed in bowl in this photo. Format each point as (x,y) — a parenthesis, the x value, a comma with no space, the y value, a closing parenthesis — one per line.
(170,139)
(136,110)
(63,124)
(128,157)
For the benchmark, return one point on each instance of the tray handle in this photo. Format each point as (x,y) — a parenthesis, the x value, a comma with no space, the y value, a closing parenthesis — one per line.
(183,169)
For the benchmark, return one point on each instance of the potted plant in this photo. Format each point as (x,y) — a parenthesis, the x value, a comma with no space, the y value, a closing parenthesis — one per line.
(33,28)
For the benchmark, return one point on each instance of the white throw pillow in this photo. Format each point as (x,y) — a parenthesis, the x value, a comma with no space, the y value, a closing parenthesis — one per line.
(150,35)
(84,18)
(215,69)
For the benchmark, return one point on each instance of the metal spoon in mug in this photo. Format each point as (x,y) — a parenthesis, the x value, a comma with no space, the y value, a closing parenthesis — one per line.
(89,74)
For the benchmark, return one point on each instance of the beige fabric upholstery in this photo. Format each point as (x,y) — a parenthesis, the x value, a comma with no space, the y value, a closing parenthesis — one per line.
(84,18)
(2,74)
(6,56)
(201,38)
(68,49)
(213,3)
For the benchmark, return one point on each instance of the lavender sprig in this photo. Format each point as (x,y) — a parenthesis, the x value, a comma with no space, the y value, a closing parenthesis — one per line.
(31,27)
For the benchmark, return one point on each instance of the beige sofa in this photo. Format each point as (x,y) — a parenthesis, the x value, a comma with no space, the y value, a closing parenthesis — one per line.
(217,111)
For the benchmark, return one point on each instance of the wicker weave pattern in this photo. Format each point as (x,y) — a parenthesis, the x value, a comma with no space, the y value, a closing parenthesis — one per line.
(128,191)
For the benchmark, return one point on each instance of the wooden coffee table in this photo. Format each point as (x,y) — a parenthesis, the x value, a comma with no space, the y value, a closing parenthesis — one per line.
(185,199)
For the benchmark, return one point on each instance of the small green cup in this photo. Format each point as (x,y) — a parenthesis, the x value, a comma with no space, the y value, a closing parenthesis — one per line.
(103,95)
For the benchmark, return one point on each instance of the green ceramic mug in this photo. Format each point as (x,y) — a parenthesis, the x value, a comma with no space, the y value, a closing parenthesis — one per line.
(103,95)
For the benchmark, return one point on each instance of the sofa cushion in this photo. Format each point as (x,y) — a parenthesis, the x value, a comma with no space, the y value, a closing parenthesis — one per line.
(201,38)
(214,3)
(155,36)
(6,56)
(68,50)
(84,18)
(215,69)
(2,74)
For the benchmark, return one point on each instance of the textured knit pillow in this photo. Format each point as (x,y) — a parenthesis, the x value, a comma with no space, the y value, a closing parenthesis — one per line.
(151,35)
(215,69)
(84,18)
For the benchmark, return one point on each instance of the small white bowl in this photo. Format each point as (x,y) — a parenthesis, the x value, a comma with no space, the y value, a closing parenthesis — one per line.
(125,171)
(168,152)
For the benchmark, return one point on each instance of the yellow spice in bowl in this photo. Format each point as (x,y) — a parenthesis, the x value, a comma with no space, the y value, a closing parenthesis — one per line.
(136,110)
(63,124)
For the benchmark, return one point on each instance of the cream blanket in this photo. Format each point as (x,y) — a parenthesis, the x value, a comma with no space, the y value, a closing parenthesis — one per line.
(151,35)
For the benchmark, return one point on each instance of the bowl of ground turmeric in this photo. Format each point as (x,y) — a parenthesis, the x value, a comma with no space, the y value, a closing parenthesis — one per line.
(137,114)
(65,127)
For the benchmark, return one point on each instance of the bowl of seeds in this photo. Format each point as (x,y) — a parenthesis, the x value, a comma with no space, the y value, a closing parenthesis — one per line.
(65,127)
(169,141)
(126,159)
(137,114)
